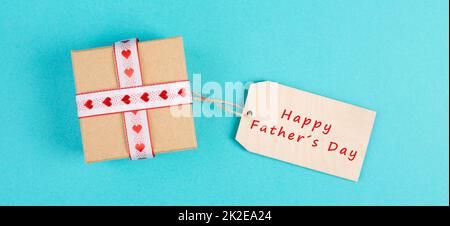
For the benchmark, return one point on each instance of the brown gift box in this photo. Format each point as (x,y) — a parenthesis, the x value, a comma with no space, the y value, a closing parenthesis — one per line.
(103,136)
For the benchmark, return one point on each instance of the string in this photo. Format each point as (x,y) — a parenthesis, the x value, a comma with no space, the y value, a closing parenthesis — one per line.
(219,103)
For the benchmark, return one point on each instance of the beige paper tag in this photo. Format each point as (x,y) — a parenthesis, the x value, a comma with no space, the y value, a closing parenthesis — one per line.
(305,129)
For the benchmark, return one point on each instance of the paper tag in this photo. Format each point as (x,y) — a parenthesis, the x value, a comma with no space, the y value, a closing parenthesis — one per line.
(305,129)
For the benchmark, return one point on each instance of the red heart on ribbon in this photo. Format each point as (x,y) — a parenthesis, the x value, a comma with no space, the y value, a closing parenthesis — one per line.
(134,112)
(107,102)
(126,99)
(129,72)
(163,95)
(88,104)
(144,97)
(126,53)
(137,128)
(182,92)
(140,147)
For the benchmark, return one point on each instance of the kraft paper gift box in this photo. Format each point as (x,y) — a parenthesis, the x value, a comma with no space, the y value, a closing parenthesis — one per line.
(161,61)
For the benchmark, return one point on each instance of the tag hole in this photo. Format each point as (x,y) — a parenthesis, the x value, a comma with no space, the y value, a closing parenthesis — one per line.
(249,113)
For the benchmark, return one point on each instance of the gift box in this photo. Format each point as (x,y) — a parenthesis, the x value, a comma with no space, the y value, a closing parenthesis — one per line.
(133,99)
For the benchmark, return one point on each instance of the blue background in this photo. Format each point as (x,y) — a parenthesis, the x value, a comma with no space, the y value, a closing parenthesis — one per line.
(390,56)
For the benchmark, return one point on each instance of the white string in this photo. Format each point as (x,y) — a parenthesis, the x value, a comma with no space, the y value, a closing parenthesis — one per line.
(219,103)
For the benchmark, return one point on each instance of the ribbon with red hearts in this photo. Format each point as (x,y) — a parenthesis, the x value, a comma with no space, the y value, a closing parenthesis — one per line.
(132,99)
